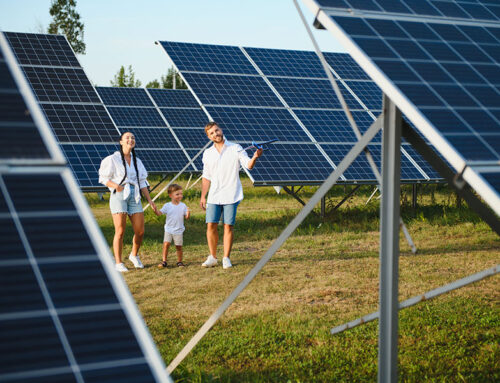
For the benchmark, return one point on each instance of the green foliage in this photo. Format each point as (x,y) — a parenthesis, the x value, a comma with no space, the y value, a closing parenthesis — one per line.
(125,79)
(167,81)
(66,21)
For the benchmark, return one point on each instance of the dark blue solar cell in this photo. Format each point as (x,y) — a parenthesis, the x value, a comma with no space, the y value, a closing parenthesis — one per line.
(430,72)
(471,53)
(424,165)
(419,31)
(124,96)
(420,95)
(7,83)
(163,160)
(125,116)
(345,66)
(454,95)
(368,92)
(327,125)
(478,11)
(137,373)
(450,9)
(367,5)
(12,248)
(198,161)
(393,6)
(301,163)
(478,34)
(20,290)
(191,138)
(292,63)
(354,26)
(399,70)
(30,344)
(257,124)
(479,120)
(232,90)
(493,51)
(489,71)
(493,179)
(44,236)
(306,93)
(154,138)
(208,58)
(40,49)
(494,10)
(449,32)
(463,73)
(87,332)
(445,120)
(440,51)
(422,8)
(174,98)
(360,169)
(74,284)
(408,50)
(494,31)
(375,48)
(364,120)
(485,95)
(387,28)
(493,141)
(61,84)
(80,123)
(471,148)
(51,192)
(185,118)
(333,3)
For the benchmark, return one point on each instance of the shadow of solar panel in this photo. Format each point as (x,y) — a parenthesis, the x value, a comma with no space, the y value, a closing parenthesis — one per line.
(208,58)
(173,98)
(258,124)
(124,96)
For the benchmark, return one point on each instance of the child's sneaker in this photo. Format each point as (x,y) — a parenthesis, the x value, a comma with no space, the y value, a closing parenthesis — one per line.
(226,263)
(120,267)
(162,265)
(136,261)
(210,262)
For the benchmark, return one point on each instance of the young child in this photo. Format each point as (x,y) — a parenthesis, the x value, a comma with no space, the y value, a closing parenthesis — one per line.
(174,223)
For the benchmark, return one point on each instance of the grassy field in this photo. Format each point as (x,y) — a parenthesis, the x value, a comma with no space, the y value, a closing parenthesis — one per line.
(325,274)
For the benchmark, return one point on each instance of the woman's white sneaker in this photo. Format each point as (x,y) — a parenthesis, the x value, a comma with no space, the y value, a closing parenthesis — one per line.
(210,262)
(226,263)
(136,261)
(120,267)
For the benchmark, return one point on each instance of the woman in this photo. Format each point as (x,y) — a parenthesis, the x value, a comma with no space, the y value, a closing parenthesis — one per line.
(125,176)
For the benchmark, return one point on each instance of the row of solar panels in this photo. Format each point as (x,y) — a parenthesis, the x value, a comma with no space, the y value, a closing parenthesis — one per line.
(269,94)
(65,314)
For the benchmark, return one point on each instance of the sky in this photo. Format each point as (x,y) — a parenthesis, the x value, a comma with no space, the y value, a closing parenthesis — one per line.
(123,32)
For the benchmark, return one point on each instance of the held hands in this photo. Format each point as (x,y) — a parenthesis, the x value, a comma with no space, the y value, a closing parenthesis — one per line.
(155,209)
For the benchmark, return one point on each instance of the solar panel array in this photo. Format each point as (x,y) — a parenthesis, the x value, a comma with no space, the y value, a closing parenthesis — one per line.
(68,99)
(439,61)
(166,123)
(260,94)
(65,314)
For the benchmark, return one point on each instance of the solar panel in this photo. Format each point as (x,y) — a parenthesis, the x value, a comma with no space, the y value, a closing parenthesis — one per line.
(123,96)
(125,116)
(430,89)
(69,101)
(185,118)
(173,98)
(162,160)
(65,314)
(250,107)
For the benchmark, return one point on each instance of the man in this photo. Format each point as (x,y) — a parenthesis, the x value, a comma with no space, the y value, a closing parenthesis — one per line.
(221,167)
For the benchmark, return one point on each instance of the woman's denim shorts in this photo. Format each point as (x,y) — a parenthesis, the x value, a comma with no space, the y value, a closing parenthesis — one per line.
(228,213)
(119,205)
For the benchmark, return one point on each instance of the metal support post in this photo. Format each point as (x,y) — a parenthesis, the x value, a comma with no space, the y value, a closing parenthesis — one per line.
(323,207)
(414,196)
(389,244)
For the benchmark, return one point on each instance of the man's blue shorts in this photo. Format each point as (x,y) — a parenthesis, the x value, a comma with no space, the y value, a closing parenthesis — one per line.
(214,213)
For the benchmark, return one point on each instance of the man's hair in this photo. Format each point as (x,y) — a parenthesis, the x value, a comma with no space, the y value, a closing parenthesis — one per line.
(173,188)
(210,125)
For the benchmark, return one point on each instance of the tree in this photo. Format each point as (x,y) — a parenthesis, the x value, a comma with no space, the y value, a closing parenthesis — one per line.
(166,81)
(125,80)
(66,21)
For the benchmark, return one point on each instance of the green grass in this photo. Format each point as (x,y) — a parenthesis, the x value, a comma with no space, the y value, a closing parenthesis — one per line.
(324,275)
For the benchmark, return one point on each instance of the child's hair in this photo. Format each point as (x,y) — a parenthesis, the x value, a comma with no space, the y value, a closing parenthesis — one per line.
(210,125)
(173,188)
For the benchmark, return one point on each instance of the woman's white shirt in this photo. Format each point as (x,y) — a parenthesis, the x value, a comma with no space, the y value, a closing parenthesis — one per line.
(112,170)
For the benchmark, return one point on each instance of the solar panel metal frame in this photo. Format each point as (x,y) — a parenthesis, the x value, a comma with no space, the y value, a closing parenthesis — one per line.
(433,135)
(58,166)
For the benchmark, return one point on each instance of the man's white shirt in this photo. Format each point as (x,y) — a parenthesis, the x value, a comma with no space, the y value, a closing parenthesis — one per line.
(222,170)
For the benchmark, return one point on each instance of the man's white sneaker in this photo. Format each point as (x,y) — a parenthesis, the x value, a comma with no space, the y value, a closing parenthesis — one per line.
(120,267)
(136,261)
(210,262)
(226,263)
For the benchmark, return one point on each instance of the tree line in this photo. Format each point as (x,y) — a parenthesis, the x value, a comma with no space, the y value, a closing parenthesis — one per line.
(66,21)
